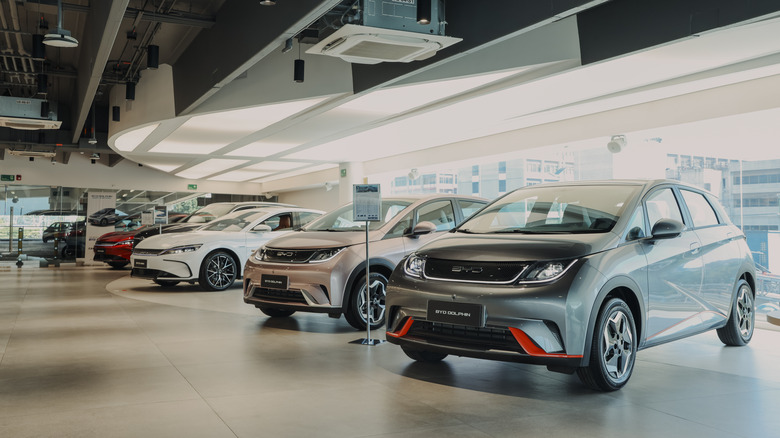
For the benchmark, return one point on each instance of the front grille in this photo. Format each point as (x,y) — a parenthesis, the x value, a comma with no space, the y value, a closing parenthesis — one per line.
(477,338)
(288,255)
(146,273)
(483,272)
(145,252)
(290,296)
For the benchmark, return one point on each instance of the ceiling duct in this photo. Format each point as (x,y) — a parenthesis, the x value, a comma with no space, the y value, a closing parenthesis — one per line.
(387,31)
(23,113)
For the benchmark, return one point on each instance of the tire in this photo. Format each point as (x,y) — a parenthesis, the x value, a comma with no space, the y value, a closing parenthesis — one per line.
(356,311)
(68,252)
(276,313)
(117,265)
(613,350)
(424,355)
(218,271)
(739,328)
(103,222)
(167,283)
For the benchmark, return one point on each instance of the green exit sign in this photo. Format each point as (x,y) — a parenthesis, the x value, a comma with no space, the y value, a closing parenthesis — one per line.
(7,178)
(192,187)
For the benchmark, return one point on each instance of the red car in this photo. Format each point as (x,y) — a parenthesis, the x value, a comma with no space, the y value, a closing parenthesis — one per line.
(115,248)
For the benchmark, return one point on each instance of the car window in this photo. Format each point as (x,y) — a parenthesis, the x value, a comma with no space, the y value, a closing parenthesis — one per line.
(401,228)
(662,204)
(235,221)
(279,222)
(554,209)
(701,211)
(440,213)
(636,228)
(468,207)
(342,218)
(305,217)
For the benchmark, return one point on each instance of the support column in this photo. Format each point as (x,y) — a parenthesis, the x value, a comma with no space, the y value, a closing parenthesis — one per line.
(349,174)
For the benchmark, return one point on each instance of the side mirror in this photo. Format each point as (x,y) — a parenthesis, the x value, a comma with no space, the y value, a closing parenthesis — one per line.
(667,228)
(424,227)
(261,228)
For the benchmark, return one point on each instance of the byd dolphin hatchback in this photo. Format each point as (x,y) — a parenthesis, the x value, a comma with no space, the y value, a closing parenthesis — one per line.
(578,277)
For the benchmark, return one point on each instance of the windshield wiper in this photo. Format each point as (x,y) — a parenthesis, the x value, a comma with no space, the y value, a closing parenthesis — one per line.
(465,231)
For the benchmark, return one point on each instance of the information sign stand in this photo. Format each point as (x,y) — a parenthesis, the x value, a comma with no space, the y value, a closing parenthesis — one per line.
(367,206)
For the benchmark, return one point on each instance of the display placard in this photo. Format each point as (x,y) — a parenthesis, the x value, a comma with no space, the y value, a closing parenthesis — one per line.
(367,202)
(160,214)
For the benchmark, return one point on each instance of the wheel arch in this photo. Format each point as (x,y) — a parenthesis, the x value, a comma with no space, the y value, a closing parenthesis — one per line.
(628,291)
(232,254)
(380,265)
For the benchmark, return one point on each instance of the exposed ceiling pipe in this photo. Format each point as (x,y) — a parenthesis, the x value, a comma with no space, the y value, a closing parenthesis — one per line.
(19,43)
(7,49)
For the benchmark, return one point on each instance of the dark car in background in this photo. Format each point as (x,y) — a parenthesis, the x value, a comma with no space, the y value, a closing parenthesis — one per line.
(74,241)
(578,277)
(55,231)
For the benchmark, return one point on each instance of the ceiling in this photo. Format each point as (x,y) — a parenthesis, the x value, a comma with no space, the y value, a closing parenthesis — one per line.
(524,75)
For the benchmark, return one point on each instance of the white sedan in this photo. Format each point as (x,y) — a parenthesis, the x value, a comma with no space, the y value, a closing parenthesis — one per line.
(215,254)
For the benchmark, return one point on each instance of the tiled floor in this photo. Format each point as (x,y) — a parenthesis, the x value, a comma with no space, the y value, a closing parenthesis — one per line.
(89,352)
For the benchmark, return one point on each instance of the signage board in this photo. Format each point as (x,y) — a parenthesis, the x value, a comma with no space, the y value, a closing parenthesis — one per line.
(367,202)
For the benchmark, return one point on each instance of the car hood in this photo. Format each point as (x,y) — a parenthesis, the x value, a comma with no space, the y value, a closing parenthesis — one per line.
(501,247)
(322,239)
(191,238)
(116,236)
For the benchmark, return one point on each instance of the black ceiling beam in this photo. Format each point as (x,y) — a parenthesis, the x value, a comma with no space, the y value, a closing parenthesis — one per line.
(245,32)
(625,26)
(174,17)
(479,24)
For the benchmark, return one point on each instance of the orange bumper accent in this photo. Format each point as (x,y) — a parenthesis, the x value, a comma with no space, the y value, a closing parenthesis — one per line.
(531,348)
(403,330)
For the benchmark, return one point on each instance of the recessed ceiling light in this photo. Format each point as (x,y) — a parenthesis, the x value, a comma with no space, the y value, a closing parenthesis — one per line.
(130,140)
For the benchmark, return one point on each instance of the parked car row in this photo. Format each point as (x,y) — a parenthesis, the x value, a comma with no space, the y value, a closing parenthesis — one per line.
(575,276)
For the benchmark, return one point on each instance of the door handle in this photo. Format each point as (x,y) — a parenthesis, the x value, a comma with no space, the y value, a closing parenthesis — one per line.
(695,246)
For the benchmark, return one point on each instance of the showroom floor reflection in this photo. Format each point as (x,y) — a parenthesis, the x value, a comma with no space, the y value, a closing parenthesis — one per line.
(88,351)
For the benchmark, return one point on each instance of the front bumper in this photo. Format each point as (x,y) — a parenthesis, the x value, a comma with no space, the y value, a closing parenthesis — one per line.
(112,253)
(312,287)
(542,324)
(173,267)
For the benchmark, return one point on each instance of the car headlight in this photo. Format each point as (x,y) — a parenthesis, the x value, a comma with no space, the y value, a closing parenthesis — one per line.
(547,271)
(324,255)
(414,266)
(259,255)
(181,249)
(128,242)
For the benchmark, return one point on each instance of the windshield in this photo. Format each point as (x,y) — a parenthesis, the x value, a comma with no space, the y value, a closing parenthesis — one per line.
(552,210)
(342,219)
(235,221)
(208,213)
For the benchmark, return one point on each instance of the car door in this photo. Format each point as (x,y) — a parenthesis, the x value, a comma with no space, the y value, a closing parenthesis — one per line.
(674,272)
(720,253)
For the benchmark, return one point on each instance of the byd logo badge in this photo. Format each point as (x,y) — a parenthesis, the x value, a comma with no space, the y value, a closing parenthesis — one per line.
(467,269)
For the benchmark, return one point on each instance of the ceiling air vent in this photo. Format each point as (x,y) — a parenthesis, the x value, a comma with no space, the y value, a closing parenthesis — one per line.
(372,45)
(28,113)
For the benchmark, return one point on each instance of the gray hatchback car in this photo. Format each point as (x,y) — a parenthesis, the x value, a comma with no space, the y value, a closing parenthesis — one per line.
(577,277)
